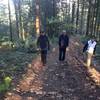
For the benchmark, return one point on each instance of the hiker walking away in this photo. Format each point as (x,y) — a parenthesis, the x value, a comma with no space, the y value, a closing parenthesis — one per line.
(43,45)
(63,44)
(90,48)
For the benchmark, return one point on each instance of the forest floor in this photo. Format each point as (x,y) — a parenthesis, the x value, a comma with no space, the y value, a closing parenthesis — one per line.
(70,80)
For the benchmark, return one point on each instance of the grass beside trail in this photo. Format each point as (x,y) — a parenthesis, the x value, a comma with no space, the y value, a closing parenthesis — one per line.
(12,64)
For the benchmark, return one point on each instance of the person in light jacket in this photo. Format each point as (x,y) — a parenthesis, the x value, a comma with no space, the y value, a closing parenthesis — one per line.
(90,48)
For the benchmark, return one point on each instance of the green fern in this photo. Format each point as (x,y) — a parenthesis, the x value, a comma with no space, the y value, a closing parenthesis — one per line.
(6,84)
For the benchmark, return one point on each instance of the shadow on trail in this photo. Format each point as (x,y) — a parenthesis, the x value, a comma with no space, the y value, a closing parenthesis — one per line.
(67,82)
(13,64)
(70,80)
(29,85)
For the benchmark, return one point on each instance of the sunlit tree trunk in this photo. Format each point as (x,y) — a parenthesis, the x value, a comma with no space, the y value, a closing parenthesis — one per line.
(88,19)
(95,23)
(77,16)
(82,17)
(98,20)
(37,19)
(21,28)
(16,5)
(10,23)
(73,12)
(92,21)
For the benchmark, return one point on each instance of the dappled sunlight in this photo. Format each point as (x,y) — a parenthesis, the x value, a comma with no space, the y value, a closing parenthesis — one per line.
(67,49)
(54,49)
(44,46)
(13,96)
(31,98)
(30,82)
(76,43)
(37,66)
(56,81)
(7,45)
(95,75)
(78,58)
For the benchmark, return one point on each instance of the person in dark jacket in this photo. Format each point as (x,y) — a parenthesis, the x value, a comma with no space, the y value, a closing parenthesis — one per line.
(43,45)
(63,44)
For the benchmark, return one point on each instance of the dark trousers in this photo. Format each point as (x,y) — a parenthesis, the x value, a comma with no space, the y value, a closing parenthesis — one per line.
(62,52)
(44,56)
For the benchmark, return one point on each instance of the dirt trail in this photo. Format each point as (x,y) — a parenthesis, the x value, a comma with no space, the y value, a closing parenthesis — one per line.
(69,80)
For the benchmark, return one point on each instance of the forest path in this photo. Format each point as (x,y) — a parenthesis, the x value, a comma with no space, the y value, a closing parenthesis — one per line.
(69,80)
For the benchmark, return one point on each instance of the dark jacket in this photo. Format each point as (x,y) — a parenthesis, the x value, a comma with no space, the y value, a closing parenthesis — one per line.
(63,41)
(85,47)
(43,42)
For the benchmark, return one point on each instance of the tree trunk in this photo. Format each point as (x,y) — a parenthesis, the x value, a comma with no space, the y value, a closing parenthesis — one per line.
(73,12)
(16,5)
(77,16)
(10,23)
(73,15)
(96,17)
(88,19)
(82,18)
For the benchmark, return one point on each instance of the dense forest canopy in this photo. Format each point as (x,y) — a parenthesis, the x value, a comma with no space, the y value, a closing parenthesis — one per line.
(24,73)
(20,19)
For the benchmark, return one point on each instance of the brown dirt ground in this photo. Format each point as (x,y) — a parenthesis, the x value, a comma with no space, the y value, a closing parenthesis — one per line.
(69,80)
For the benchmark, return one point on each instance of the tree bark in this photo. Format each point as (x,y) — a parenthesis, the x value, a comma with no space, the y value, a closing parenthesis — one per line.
(77,16)
(88,19)
(10,22)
